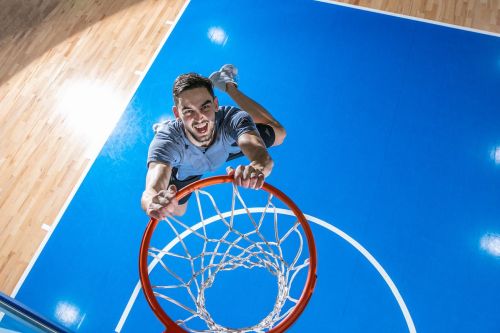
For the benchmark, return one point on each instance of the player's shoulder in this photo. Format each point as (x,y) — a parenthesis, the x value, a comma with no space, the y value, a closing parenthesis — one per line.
(228,110)
(228,114)
(168,127)
(169,133)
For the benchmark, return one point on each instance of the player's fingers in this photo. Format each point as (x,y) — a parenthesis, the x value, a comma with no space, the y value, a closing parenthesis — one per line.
(156,199)
(245,182)
(230,171)
(245,177)
(166,211)
(171,200)
(172,206)
(167,194)
(249,175)
(154,211)
(162,200)
(155,215)
(154,207)
(172,191)
(253,180)
(253,183)
(238,174)
(161,195)
(239,170)
(260,181)
(170,209)
(247,171)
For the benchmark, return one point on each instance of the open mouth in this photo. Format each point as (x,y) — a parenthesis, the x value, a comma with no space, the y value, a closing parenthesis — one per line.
(202,128)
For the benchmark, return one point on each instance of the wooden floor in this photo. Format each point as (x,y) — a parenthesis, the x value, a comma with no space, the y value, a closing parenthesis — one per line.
(52,51)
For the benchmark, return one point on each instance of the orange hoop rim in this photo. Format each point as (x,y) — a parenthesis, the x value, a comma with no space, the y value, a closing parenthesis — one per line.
(171,326)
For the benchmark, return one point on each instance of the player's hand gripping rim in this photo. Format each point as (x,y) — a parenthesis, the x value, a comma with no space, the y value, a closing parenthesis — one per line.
(247,176)
(163,204)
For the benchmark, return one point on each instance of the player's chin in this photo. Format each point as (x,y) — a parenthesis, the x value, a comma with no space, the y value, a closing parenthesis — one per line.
(204,139)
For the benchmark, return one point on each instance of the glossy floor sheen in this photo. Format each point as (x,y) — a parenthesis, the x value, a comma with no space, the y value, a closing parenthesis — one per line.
(393,138)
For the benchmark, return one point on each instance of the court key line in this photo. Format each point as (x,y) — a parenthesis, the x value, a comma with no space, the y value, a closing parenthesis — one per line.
(340,233)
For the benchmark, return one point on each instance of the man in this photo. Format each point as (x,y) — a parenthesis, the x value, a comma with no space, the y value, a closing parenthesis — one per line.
(204,136)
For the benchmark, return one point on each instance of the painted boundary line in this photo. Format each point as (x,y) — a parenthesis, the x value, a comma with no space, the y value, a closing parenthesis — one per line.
(80,181)
(412,18)
(340,233)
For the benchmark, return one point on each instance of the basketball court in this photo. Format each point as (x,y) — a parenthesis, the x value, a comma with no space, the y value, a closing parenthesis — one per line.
(392,154)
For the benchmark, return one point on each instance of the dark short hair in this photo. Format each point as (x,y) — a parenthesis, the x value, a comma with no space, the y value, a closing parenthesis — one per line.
(190,81)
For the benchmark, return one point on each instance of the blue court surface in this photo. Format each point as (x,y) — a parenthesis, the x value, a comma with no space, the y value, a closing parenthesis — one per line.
(393,152)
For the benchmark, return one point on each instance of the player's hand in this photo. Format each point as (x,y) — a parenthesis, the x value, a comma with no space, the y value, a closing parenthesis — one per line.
(247,176)
(163,204)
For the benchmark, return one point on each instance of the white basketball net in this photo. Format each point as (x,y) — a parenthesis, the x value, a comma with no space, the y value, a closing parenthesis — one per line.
(230,250)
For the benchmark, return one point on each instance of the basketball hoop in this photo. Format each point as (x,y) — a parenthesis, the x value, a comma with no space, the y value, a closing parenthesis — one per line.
(266,244)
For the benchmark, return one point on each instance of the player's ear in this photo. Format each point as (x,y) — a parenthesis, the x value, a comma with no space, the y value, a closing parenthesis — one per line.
(175,111)
(216,103)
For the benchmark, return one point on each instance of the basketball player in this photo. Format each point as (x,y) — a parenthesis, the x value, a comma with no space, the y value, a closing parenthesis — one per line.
(203,136)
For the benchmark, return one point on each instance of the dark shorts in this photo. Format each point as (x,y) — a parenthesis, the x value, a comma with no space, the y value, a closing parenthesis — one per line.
(266,133)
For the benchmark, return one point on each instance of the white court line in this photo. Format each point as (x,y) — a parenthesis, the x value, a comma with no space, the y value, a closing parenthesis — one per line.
(346,237)
(86,171)
(448,25)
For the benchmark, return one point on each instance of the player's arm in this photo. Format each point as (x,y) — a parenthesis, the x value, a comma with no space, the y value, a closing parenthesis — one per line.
(261,163)
(158,199)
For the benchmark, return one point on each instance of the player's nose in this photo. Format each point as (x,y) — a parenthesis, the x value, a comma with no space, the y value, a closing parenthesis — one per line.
(198,116)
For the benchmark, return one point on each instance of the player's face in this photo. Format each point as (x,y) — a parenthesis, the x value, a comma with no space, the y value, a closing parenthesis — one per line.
(196,108)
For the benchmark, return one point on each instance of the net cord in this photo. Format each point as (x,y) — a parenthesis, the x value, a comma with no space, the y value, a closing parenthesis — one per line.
(262,254)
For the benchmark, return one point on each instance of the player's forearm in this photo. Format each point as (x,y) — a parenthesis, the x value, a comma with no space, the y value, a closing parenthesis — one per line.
(263,162)
(147,198)
(258,113)
(157,179)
